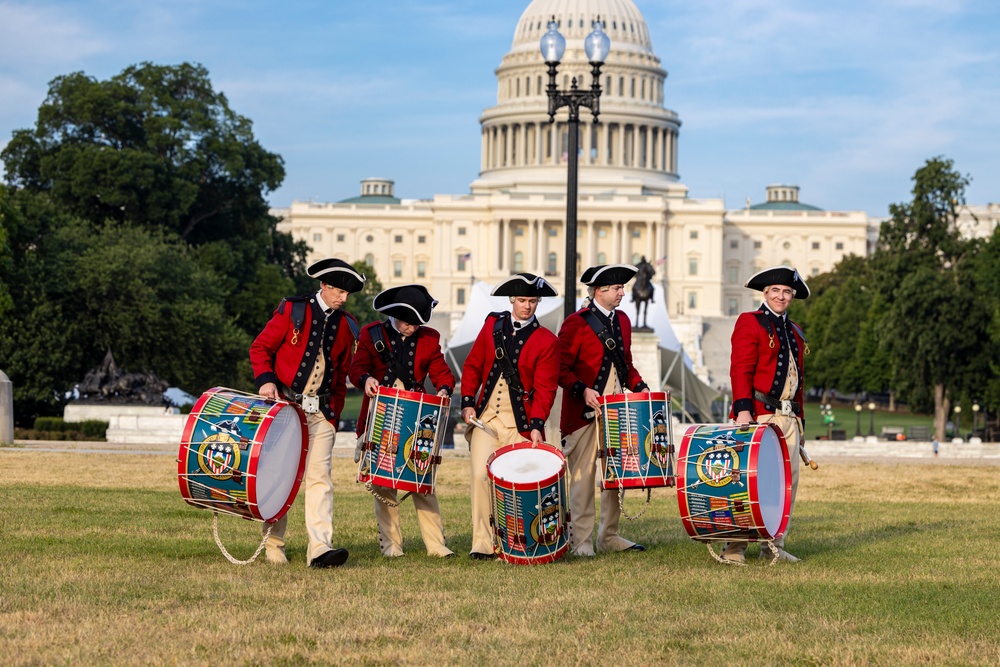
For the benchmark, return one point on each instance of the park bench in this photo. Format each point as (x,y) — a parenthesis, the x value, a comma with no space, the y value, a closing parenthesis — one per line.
(893,433)
(919,433)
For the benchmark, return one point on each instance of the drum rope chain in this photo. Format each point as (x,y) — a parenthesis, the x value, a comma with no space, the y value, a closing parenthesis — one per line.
(371,490)
(234,561)
(621,503)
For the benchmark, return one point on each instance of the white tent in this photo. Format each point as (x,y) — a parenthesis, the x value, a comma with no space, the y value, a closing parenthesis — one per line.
(675,364)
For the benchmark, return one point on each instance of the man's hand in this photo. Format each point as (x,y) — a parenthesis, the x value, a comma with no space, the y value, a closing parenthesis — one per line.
(590,398)
(468,414)
(371,387)
(743,418)
(536,436)
(270,390)
(443,393)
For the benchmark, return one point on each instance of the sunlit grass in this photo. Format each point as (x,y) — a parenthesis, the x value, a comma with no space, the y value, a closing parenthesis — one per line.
(103,563)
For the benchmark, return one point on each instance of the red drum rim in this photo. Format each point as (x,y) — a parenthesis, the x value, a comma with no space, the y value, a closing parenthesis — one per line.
(416,396)
(754,495)
(635,396)
(525,486)
(538,560)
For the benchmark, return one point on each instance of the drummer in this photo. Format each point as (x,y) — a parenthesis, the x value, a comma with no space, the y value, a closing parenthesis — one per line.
(595,345)
(286,364)
(508,388)
(401,353)
(766,373)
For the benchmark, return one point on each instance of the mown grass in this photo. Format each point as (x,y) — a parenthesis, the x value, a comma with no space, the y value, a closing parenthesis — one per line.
(104,564)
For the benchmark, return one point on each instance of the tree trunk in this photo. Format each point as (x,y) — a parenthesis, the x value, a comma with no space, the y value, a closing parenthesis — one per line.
(826,396)
(940,412)
(892,401)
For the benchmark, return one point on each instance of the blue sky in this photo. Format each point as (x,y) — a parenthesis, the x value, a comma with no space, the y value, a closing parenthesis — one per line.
(846,99)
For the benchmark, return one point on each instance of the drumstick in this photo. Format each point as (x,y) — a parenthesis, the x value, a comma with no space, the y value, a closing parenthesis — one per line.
(478,424)
(805,458)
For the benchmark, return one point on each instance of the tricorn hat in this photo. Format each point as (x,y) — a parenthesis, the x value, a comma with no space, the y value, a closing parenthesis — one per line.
(337,273)
(779,275)
(408,303)
(524,284)
(608,274)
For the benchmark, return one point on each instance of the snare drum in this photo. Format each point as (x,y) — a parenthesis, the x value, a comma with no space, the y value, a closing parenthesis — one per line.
(528,509)
(636,443)
(242,454)
(734,482)
(403,439)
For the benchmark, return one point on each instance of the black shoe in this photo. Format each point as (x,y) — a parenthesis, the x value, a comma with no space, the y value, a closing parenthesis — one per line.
(334,558)
(635,547)
(475,555)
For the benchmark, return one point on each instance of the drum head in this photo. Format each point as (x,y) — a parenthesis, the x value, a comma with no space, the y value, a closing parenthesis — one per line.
(527,465)
(278,463)
(771,480)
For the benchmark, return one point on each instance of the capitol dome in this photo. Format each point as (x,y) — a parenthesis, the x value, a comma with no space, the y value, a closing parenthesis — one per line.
(633,147)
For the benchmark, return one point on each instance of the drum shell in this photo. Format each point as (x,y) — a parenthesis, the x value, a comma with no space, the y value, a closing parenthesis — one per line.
(616,430)
(232,483)
(754,509)
(407,465)
(519,509)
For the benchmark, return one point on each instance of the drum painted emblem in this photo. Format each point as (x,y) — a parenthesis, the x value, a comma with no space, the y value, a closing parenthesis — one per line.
(419,448)
(720,463)
(545,527)
(219,456)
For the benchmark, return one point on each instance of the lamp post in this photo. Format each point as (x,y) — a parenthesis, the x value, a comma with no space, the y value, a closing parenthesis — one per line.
(975,420)
(857,409)
(871,423)
(958,422)
(553,45)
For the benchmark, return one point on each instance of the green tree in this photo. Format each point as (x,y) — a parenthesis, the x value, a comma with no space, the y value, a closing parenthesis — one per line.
(359,304)
(137,220)
(935,328)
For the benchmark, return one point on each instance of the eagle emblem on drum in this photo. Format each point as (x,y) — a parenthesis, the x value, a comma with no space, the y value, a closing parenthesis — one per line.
(421,445)
(658,441)
(219,457)
(545,527)
(719,465)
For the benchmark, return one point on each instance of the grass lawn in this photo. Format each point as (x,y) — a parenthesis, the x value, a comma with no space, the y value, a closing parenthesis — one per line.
(103,563)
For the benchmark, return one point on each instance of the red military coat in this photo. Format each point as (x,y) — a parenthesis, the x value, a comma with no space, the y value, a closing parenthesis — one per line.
(583,364)
(537,367)
(754,362)
(285,357)
(425,344)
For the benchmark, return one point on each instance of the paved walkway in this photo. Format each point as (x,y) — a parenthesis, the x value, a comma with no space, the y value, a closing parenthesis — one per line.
(820,450)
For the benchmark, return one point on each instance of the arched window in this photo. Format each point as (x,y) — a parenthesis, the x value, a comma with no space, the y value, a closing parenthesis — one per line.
(553,260)
(518,261)
(370,260)
(602,258)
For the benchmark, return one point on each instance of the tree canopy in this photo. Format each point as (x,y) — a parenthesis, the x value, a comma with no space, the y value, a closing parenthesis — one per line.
(135,219)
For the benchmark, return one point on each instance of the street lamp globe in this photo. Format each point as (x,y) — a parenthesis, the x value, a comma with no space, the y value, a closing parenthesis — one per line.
(597,45)
(958,409)
(871,406)
(858,408)
(553,44)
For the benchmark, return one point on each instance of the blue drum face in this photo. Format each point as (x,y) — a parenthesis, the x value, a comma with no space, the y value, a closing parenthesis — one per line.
(734,482)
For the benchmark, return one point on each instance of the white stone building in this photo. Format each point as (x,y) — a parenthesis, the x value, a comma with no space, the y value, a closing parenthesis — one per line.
(632,202)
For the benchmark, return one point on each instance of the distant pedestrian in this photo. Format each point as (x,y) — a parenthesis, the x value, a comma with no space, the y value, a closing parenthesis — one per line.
(934,443)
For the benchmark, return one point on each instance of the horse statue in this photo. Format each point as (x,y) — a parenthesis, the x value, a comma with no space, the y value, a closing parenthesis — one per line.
(642,292)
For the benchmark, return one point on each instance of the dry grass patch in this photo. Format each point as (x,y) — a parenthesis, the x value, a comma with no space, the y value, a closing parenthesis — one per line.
(104,564)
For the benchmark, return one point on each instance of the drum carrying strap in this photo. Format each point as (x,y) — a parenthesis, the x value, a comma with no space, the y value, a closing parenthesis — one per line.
(503,359)
(391,361)
(611,346)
